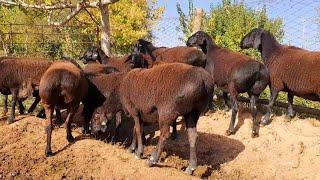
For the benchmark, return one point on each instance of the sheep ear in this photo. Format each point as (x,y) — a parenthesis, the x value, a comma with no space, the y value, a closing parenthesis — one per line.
(103,56)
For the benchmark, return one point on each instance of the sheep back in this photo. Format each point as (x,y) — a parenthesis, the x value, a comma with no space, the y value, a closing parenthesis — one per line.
(170,87)
(63,85)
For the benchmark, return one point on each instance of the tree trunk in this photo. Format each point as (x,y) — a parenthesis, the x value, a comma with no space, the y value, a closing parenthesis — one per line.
(105,30)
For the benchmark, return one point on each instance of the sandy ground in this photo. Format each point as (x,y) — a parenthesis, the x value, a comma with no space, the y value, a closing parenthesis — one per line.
(284,150)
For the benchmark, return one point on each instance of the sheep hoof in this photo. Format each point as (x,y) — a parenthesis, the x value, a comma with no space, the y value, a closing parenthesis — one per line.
(190,170)
(138,156)
(9,120)
(264,121)
(131,150)
(48,153)
(229,132)
(70,139)
(254,135)
(150,163)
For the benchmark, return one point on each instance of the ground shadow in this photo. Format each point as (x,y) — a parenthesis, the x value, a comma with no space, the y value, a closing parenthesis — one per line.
(212,149)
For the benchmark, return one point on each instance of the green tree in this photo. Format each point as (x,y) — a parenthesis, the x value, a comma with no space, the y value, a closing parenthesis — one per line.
(129,20)
(228,22)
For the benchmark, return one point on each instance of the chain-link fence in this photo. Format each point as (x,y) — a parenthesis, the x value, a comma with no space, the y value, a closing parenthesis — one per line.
(301,25)
(301,22)
(46,40)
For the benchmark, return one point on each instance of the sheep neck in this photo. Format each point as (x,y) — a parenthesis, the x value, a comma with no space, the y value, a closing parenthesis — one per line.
(269,45)
(208,45)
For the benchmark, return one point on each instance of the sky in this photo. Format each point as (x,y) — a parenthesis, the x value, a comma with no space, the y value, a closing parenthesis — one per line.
(300,20)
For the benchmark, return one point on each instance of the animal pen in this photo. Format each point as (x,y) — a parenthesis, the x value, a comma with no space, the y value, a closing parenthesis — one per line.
(285,149)
(301,28)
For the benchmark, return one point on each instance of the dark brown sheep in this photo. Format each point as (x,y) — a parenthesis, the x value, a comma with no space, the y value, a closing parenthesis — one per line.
(293,70)
(181,54)
(123,64)
(147,96)
(99,89)
(62,86)
(108,85)
(16,71)
(234,73)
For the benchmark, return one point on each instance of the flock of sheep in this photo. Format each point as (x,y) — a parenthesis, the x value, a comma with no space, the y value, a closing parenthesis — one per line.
(159,84)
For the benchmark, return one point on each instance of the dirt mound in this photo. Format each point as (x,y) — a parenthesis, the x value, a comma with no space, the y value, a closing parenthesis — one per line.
(285,150)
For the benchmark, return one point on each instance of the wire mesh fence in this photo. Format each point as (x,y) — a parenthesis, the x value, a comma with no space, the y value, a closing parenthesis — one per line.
(46,40)
(301,22)
(301,25)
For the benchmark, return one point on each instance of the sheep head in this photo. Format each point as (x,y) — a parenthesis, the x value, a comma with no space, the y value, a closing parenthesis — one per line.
(252,39)
(94,54)
(201,40)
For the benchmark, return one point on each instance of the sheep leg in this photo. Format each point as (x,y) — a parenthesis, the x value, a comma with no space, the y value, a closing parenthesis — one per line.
(58,116)
(191,123)
(254,111)
(225,99)
(291,112)
(21,107)
(49,128)
(174,130)
(134,142)
(164,135)
(138,126)
(87,113)
(266,118)
(13,107)
(5,105)
(116,131)
(71,113)
(34,104)
(233,116)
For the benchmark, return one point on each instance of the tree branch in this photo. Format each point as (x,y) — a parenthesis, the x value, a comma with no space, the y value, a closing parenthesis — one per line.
(41,6)
(69,17)
(92,17)
(57,6)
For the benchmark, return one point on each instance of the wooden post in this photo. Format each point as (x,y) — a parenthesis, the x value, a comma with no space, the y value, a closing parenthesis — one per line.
(197,20)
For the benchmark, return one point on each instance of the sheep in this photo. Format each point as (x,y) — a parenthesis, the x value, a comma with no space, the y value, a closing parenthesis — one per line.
(109,105)
(14,72)
(234,73)
(147,96)
(103,85)
(179,54)
(123,64)
(292,70)
(63,86)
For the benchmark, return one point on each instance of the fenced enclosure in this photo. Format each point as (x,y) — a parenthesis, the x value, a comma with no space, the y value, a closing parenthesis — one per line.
(300,26)
(46,40)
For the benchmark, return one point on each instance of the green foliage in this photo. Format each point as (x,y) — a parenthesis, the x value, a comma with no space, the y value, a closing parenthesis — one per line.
(228,23)
(129,21)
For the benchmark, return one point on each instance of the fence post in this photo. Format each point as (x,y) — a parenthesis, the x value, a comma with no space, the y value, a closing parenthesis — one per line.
(98,35)
(11,39)
(197,20)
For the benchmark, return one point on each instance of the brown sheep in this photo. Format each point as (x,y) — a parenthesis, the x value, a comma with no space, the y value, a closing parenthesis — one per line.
(123,64)
(62,86)
(293,70)
(147,96)
(180,54)
(234,73)
(15,71)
